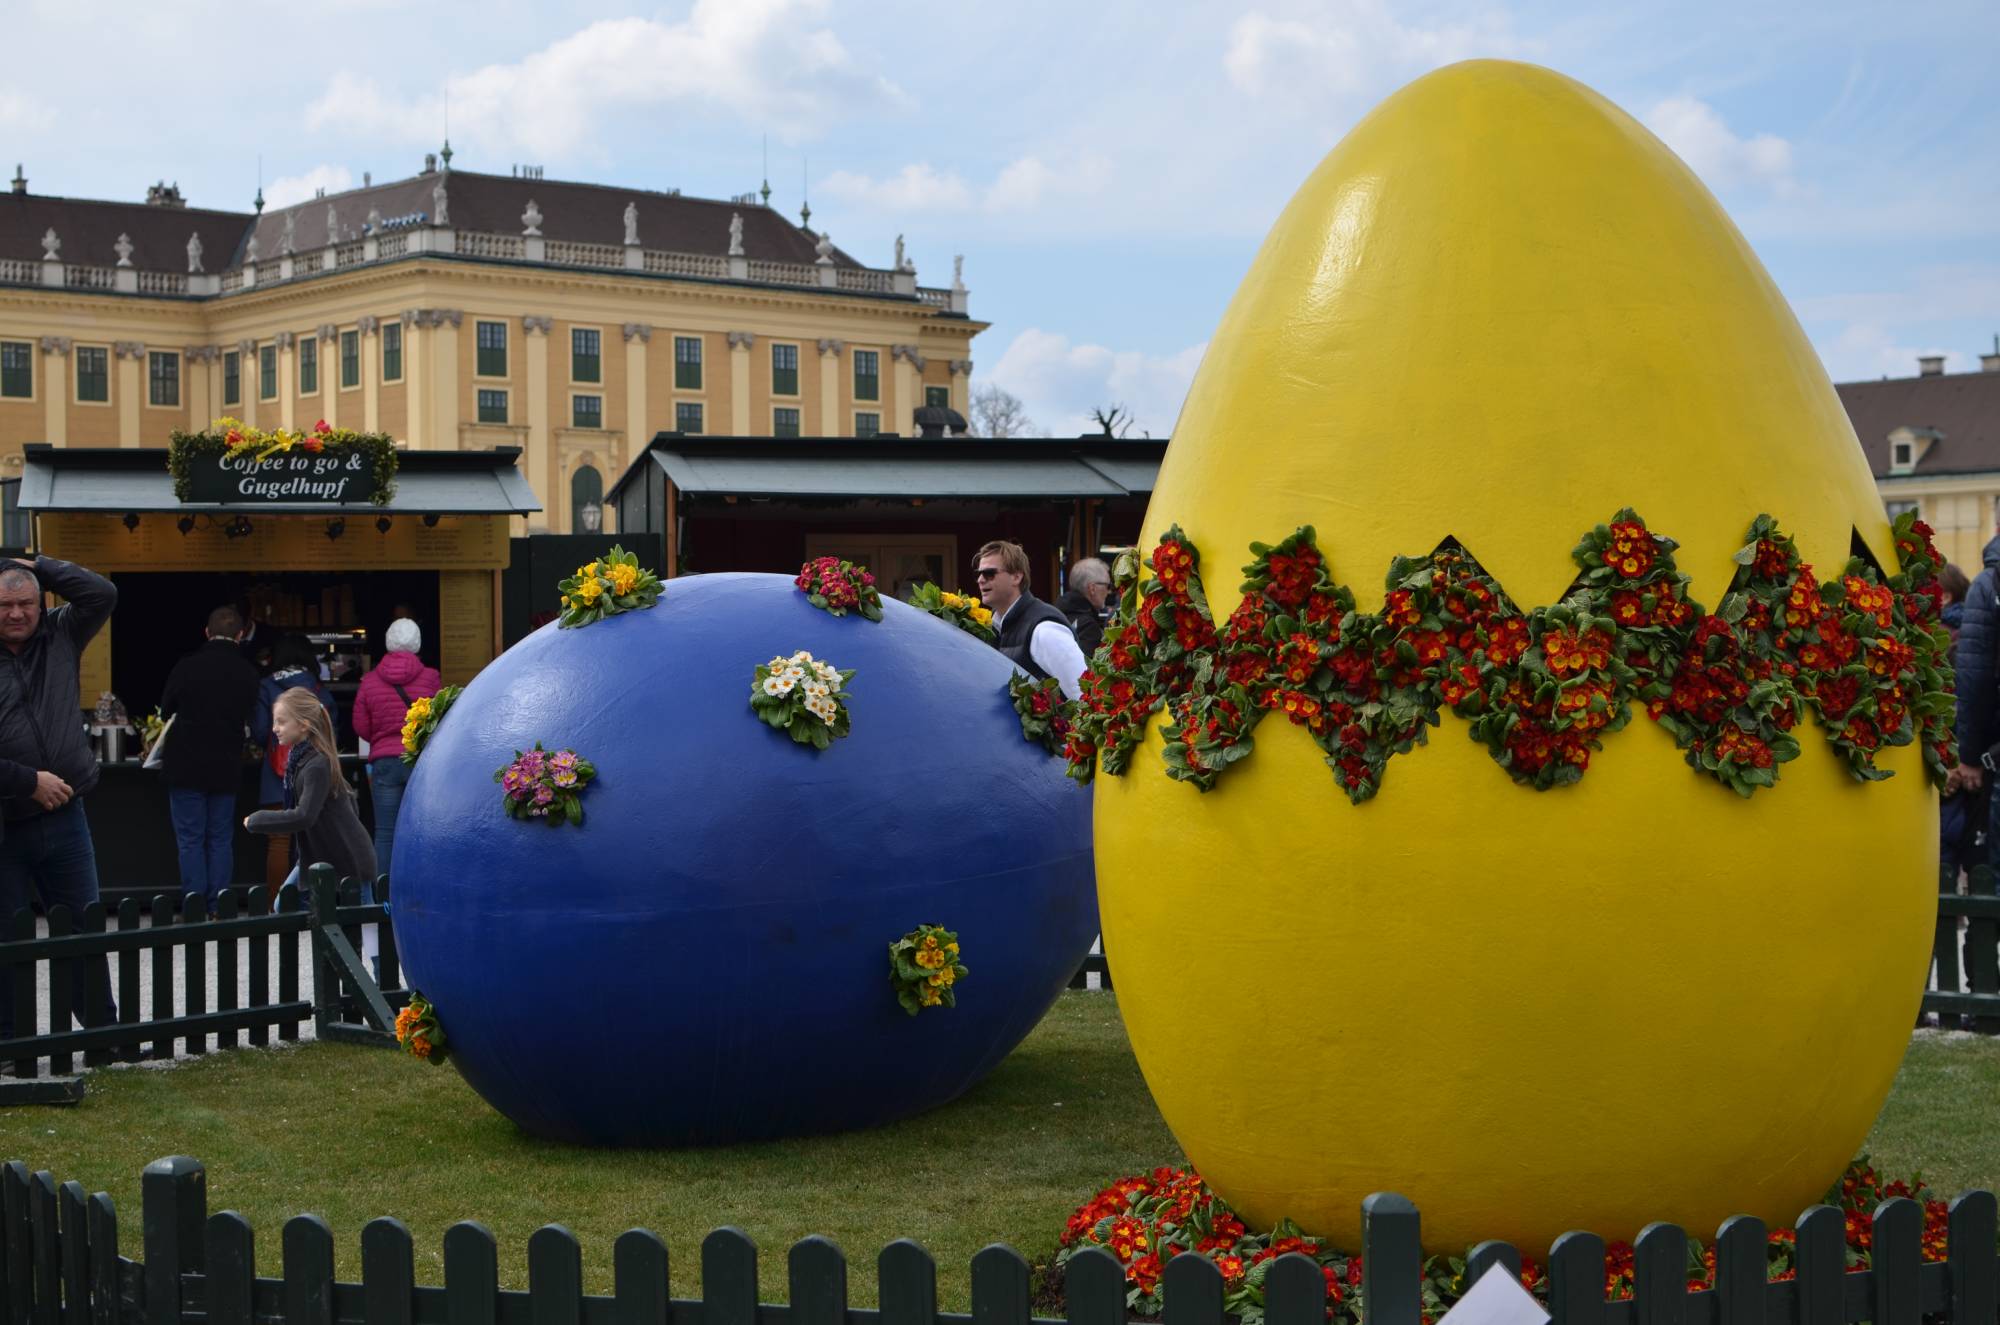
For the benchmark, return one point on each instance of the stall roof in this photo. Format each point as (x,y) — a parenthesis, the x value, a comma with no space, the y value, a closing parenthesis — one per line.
(1053,467)
(135,479)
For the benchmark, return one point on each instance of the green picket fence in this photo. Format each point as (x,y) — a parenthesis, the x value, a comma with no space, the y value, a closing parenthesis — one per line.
(61,1265)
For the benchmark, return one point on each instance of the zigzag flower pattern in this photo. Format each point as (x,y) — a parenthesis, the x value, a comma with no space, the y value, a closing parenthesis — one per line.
(1863,654)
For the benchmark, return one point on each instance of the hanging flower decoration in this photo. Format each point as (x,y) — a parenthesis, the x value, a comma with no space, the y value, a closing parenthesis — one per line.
(613,583)
(422,719)
(232,437)
(804,697)
(925,969)
(834,586)
(419,1032)
(1044,713)
(547,785)
(962,610)
(1864,654)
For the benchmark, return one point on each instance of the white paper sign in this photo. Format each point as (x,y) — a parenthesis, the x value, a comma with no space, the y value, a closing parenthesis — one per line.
(1497,1299)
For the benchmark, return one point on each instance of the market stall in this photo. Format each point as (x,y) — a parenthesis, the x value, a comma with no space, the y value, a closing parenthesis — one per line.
(307,555)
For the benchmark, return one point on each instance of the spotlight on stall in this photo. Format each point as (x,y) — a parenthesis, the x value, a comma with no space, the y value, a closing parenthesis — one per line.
(383,524)
(336,527)
(131,522)
(185,524)
(430,519)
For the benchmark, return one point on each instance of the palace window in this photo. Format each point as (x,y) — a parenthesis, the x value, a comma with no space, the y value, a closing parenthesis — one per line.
(784,423)
(392,351)
(586,500)
(938,397)
(586,359)
(687,363)
(784,370)
(868,425)
(163,378)
(17,369)
(586,411)
(267,372)
(492,342)
(492,406)
(867,375)
(350,359)
(308,365)
(687,417)
(93,373)
(232,378)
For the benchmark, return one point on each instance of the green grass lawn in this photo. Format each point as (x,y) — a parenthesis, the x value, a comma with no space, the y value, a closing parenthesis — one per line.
(351,1133)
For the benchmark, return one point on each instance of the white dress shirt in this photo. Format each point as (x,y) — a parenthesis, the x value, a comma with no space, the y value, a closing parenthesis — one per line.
(1054,648)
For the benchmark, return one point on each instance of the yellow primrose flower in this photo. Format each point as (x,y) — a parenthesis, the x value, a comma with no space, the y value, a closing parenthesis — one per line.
(623,578)
(929,997)
(983,615)
(930,940)
(947,975)
(951,949)
(587,593)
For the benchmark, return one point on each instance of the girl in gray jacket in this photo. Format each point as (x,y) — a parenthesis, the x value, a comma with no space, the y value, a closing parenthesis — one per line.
(320,814)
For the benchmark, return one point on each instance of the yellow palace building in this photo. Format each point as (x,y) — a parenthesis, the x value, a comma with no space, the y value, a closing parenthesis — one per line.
(464,311)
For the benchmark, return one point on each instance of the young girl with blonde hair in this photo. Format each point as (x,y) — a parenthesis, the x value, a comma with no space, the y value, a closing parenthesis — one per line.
(319,811)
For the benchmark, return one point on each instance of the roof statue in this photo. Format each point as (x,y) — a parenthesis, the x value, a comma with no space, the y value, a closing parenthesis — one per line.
(288,243)
(332,225)
(194,252)
(124,250)
(902,263)
(51,245)
(440,205)
(958,273)
(531,219)
(825,249)
(374,221)
(735,235)
(631,222)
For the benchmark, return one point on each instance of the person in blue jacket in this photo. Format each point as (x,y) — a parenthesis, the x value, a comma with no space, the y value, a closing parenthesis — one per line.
(294,662)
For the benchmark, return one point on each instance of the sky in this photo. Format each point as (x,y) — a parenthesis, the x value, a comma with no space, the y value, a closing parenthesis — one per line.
(1107,169)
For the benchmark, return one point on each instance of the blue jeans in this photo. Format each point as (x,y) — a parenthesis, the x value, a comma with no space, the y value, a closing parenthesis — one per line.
(205,831)
(386,779)
(52,854)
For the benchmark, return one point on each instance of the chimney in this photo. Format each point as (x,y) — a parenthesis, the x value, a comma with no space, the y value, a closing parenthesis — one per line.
(1930,365)
(1989,363)
(20,180)
(430,163)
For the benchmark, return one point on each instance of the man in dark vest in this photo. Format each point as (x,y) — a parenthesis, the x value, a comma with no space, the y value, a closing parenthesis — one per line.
(1032,633)
(211,695)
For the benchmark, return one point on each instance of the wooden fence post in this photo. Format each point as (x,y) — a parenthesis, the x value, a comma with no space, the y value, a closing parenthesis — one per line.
(906,1285)
(471,1275)
(1392,1265)
(999,1287)
(639,1283)
(1975,1222)
(728,1278)
(173,1196)
(816,1275)
(555,1277)
(1094,1287)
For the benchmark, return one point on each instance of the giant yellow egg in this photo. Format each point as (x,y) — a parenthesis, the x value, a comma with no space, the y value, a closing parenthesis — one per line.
(1499,311)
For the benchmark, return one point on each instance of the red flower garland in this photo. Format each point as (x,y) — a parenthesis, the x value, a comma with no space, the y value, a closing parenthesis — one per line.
(1539,689)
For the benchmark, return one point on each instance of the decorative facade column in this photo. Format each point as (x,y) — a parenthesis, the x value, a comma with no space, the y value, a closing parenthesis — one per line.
(833,421)
(130,356)
(444,378)
(416,377)
(961,386)
(287,397)
(739,381)
(371,373)
(200,366)
(638,432)
(246,382)
(539,464)
(905,387)
(329,365)
(55,390)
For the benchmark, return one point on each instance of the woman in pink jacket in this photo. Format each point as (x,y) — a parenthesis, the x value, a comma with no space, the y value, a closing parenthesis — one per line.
(384,698)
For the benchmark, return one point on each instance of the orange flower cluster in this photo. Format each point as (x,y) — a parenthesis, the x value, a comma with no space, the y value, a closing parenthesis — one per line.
(1540,689)
(1147,1220)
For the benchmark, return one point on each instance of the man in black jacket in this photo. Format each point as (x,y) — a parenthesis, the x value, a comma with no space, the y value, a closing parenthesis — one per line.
(47,845)
(1083,602)
(1033,634)
(209,695)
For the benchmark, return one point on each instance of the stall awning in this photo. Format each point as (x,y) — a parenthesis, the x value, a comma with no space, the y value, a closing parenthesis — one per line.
(1059,468)
(135,479)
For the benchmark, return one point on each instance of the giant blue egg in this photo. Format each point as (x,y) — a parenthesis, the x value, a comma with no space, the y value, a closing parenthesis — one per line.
(705,958)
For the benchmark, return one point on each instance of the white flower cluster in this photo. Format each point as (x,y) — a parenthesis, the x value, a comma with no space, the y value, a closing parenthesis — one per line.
(816,679)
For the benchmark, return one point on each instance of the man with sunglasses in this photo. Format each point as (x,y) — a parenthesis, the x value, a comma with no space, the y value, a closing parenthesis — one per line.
(1032,633)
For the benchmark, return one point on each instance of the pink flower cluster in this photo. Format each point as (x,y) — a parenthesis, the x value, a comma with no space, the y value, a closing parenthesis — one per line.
(543,784)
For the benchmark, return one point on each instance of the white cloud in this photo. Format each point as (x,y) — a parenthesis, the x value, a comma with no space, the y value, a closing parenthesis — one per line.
(298,188)
(914,188)
(20,111)
(1864,351)
(1020,186)
(1060,383)
(1350,47)
(767,61)
(1699,136)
